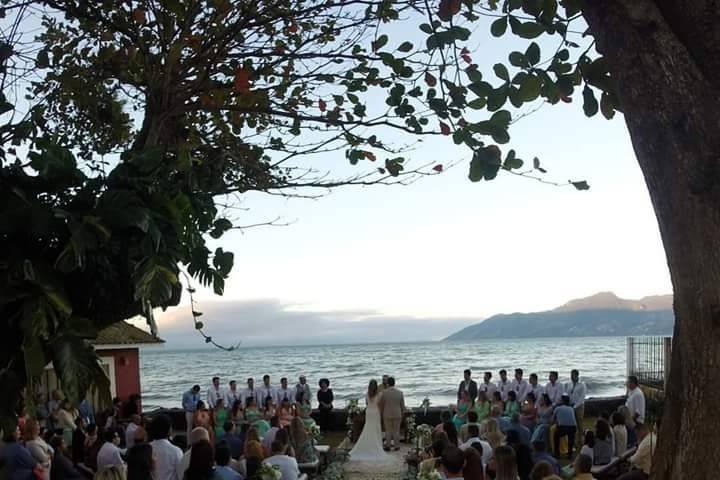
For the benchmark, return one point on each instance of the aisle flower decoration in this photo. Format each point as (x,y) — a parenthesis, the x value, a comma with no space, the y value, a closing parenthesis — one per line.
(269,472)
(314,432)
(424,435)
(410,425)
(431,475)
(354,408)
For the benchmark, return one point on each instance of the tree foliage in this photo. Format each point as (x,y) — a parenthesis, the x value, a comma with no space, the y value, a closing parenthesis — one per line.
(144,114)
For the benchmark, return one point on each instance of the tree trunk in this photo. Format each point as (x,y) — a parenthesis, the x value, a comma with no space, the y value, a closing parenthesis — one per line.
(668,80)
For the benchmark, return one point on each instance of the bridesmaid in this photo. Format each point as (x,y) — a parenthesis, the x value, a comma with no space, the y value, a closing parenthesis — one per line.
(304,411)
(511,406)
(285,413)
(270,410)
(255,418)
(529,411)
(497,401)
(236,414)
(463,408)
(220,416)
(482,406)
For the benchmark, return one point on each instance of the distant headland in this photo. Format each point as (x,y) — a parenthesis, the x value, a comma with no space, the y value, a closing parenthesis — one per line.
(602,314)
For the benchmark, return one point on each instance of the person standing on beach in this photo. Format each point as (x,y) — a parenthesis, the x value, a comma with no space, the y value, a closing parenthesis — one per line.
(190,403)
(325,402)
(535,388)
(232,395)
(302,391)
(487,386)
(284,393)
(384,385)
(266,391)
(520,386)
(468,385)
(554,389)
(503,386)
(214,393)
(576,390)
(635,400)
(249,392)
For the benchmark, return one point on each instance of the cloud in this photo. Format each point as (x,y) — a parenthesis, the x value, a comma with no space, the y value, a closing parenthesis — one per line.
(273,322)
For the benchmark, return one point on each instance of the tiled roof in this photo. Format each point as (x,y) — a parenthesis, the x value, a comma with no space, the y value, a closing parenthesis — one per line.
(123,333)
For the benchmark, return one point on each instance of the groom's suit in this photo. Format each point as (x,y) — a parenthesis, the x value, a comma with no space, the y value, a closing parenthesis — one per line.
(392,408)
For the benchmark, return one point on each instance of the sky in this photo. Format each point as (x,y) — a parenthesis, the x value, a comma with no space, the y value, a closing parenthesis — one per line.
(418,262)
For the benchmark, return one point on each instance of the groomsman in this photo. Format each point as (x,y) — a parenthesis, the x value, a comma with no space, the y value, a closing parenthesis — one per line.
(249,392)
(284,393)
(265,391)
(302,390)
(503,385)
(554,389)
(520,385)
(487,386)
(232,394)
(468,385)
(575,389)
(214,393)
(535,388)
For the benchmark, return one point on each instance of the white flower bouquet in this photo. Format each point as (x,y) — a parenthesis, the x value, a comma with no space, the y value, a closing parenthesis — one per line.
(269,472)
(431,475)
(354,408)
(314,432)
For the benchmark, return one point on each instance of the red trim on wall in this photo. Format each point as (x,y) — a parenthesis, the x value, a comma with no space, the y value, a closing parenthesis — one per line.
(127,371)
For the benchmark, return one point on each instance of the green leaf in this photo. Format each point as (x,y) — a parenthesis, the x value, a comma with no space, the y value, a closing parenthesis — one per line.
(220,226)
(512,162)
(529,30)
(590,104)
(405,47)
(485,164)
(517,59)
(496,99)
(380,42)
(477,104)
(77,368)
(42,59)
(223,261)
(606,106)
(533,53)
(498,27)
(426,28)
(501,72)
(530,88)
(580,185)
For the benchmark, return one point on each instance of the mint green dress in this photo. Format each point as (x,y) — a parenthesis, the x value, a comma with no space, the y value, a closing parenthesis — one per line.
(460,417)
(255,418)
(482,410)
(511,407)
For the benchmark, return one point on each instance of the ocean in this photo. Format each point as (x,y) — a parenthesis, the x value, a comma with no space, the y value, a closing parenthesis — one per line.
(431,369)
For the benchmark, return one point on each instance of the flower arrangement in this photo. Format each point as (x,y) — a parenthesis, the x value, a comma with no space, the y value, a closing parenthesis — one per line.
(334,471)
(314,432)
(410,426)
(354,408)
(431,475)
(424,435)
(269,472)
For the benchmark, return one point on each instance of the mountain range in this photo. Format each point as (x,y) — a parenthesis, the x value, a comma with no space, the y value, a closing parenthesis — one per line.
(602,314)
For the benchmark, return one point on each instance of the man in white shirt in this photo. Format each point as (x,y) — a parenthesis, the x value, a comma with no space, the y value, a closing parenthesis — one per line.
(452,462)
(284,393)
(288,466)
(232,395)
(303,388)
(635,400)
(269,437)
(554,389)
(264,392)
(214,393)
(642,459)
(135,423)
(474,433)
(520,385)
(166,455)
(487,386)
(535,388)
(197,435)
(503,385)
(249,392)
(109,454)
(575,389)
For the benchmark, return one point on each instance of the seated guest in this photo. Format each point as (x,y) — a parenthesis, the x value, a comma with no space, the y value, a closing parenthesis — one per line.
(113,472)
(482,406)
(503,422)
(304,411)
(135,423)
(203,418)
(15,458)
(503,463)
(492,433)
(285,413)
(632,439)
(253,454)
(522,431)
(497,400)
(588,447)
(544,420)
(438,447)
(109,453)
(62,466)
(511,405)
(252,435)
(474,434)
(41,451)
(541,470)
(197,435)
(140,462)
(78,441)
(301,442)
(540,454)
(641,461)
(269,436)
(445,417)
(619,433)
(472,420)
(202,462)
(523,454)
(451,431)
(463,408)
(237,414)
(269,409)
(474,467)
(93,442)
(255,417)
(288,465)
(528,411)
(583,468)
(452,463)
(283,437)
(564,418)
(222,460)
(233,441)
(167,455)
(603,449)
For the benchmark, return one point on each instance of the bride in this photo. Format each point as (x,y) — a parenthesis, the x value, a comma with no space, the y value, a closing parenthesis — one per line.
(369,447)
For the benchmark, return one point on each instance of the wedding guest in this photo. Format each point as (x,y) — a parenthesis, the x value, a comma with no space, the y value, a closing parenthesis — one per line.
(265,392)
(452,461)
(232,395)
(544,420)
(468,386)
(232,440)
(540,454)
(284,393)
(112,472)
(430,463)
(642,459)
(604,445)
(86,412)
(253,452)
(223,471)
(135,423)
(451,431)
(236,414)
(325,403)
(472,420)
(588,447)
(512,406)
(301,442)
(522,431)
(220,416)
(190,403)
(62,466)
(202,462)
(619,433)
(251,436)
(629,425)
(487,385)
(78,442)
(482,446)
(269,436)
(93,443)
(474,467)
(283,437)
(497,418)
(17,460)
(53,406)
(564,417)
(249,392)
(288,466)
(304,411)
(635,400)
(167,455)
(203,418)
(41,451)
(141,463)
(132,407)
(497,401)
(583,468)
(541,470)
(576,390)
(214,393)
(523,454)
(285,413)
(445,416)
(463,408)
(109,453)
(504,464)
(482,406)
(503,385)
(197,435)
(553,389)
(529,411)
(520,386)
(65,420)
(302,391)
(535,387)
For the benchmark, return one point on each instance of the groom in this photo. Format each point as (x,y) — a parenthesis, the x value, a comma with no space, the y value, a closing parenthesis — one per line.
(392,407)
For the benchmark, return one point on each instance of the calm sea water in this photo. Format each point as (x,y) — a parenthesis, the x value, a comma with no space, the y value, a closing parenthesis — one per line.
(422,370)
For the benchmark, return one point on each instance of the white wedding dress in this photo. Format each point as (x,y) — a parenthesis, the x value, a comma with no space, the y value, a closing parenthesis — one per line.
(369,447)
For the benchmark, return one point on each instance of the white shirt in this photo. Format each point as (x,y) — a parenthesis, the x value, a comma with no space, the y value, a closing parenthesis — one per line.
(503,388)
(108,455)
(269,437)
(183,465)
(487,452)
(262,392)
(521,389)
(167,458)
(537,390)
(636,404)
(288,466)
(488,388)
(130,435)
(554,392)
(576,392)
(213,395)
(282,393)
(231,397)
